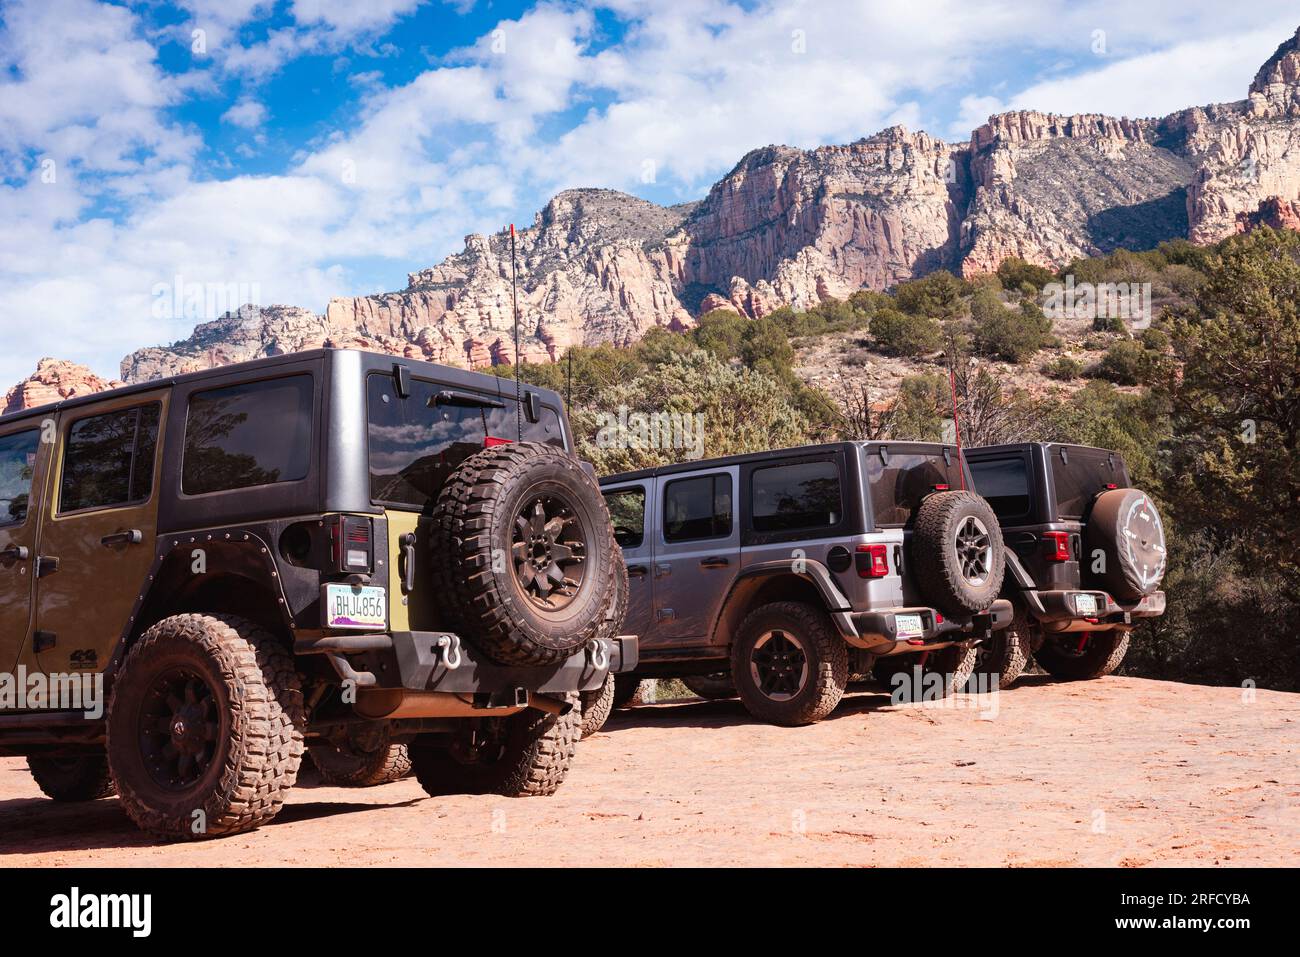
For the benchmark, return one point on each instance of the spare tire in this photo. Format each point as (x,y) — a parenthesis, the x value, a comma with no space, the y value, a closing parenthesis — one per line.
(1125,527)
(523,553)
(957,553)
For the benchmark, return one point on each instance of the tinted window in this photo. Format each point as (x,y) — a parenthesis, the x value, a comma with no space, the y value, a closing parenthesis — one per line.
(697,508)
(897,486)
(1081,478)
(415,446)
(787,497)
(17,461)
(257,433)
(627,515)
(1004,483)
(108,459)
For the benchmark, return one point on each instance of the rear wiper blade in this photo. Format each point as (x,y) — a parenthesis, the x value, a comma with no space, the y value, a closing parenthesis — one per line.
(464,400)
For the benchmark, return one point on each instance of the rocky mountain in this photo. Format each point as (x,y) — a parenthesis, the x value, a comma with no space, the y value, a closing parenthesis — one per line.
(53,380)
(790,226)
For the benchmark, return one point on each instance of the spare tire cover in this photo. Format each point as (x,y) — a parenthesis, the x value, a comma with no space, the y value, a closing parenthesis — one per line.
(957,553)
(1125,543)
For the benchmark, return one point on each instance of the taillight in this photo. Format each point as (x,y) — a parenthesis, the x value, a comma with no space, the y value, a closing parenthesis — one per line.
(872,561)
(1056,546)
(492,442)
(350,544)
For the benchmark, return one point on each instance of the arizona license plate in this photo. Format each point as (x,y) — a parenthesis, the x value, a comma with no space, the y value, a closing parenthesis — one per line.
(355,606)
(908,626)
(1085,604)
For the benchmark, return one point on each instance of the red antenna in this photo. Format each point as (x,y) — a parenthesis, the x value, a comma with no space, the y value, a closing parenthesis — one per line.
(956,421)
(514,304)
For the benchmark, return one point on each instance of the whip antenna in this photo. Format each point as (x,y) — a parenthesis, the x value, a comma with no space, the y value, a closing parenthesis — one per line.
(956,421)
(514,304)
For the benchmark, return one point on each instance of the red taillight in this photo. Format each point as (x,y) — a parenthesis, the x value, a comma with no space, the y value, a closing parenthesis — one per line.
(492,442)
(939,488)
(1056,546)
(872,561)
(350,543)
(1111,485)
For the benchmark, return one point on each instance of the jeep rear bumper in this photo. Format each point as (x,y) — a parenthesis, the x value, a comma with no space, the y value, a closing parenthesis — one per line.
(1058,611)
(878,632)
(441,661)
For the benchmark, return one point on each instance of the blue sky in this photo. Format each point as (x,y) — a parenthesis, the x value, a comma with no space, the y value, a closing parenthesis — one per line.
(303,149)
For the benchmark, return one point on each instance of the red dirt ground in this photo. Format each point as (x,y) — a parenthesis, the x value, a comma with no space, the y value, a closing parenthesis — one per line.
(1120,771)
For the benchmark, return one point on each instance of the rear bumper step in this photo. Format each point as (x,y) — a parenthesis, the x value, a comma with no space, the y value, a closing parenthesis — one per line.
(1057,611)
(878,632)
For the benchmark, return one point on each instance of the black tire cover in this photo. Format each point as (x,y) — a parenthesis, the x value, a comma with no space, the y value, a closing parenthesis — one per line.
(1125,527)
(945,578)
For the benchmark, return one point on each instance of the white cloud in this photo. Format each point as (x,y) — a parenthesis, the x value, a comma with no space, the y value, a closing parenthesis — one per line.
(247,113)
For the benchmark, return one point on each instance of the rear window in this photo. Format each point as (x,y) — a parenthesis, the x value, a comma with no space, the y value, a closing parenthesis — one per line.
(627,515)
(1004,484)
(17,462)
(805,495)
(414,446)
(255,433)
(898,485)
(1080,478)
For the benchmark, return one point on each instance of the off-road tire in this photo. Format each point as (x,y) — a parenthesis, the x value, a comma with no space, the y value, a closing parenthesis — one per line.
(1125,526)
(954,663)
(935,559)
(81,778)
(825,656)
(630,690)
(473,520)
(1004,655)
(258,712)
(1100,657)
(354,767)
(537,751)
(620,590)
(714,687)
(596,706)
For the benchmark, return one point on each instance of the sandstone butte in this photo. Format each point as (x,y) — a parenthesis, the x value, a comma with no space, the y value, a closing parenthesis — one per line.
(793,227)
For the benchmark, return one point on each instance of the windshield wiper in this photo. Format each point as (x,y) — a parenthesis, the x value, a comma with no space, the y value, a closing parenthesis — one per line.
(467,400)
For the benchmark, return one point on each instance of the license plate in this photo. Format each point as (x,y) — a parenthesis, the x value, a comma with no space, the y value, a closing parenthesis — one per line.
(355,606)
(908,626)
(1085,604)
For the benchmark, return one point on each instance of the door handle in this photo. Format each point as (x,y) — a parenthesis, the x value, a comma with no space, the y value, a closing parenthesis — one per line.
(663,569)
(636,571)
(408,562)
(132,536)
(715,561)
(15,553)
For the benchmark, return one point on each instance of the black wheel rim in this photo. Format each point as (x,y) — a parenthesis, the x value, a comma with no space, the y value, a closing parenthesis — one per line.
(179,729)
(778,665)
(974,550)
(548,551)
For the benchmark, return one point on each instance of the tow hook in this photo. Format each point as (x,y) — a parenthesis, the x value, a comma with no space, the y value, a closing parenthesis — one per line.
(448,649)
(598,654)
(550,705)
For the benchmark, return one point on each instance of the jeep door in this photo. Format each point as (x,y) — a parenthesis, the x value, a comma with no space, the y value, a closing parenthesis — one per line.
(630,515)
(24,467)
(697,554)
(97,537)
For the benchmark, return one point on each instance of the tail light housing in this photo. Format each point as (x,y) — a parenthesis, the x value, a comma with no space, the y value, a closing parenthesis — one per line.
(872,561)
(351,544)
(1056,546)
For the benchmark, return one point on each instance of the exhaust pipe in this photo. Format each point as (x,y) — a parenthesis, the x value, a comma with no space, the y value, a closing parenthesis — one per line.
(550,705)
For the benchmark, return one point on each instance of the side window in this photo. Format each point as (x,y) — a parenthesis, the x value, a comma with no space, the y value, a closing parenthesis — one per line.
(1005,484)
(108,459)
(256,433)
(697,508)
(627,515)
(17,461)
(789,497)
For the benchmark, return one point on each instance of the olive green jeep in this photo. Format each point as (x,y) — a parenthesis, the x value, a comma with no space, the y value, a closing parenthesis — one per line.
(386,563)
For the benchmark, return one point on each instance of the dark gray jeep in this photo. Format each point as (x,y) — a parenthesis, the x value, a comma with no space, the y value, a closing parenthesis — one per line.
(778,576)
(1085,556)
(330,550)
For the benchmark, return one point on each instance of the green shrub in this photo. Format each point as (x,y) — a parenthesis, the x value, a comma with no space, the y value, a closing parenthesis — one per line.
(1015,273)
(1064,368)
(905,334)
(1122,364)
(939,296)
(721,332)
(1012,334)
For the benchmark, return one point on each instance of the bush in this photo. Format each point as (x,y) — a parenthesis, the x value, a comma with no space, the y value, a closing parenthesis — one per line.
(904,334)
(766,348)
(1015,273)
(1012,334)
(1122,364)
(1064,368)
(938,296)
(720,332)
